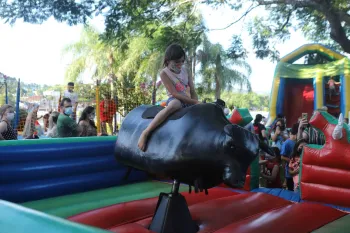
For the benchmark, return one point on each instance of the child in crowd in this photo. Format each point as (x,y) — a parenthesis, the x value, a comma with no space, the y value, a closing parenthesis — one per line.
(331,84)
(294,163)
(271,171)
(286,152)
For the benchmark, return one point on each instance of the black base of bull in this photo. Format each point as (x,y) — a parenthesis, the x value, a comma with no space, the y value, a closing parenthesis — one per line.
(172,214)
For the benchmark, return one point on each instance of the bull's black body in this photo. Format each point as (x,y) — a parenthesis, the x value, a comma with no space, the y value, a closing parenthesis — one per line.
(196,145)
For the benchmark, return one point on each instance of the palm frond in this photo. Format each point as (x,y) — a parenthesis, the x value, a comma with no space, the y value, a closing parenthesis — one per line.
(75,69)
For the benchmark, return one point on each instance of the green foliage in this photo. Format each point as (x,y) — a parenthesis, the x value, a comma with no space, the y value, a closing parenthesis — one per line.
(136,59)
(34,11)
(90,53)
(246,100)
(11,88)
(250,100)
(326,22)
(221,70)
(322,21)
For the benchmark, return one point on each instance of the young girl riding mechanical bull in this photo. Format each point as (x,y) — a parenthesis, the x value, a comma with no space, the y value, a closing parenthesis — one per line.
(179,86)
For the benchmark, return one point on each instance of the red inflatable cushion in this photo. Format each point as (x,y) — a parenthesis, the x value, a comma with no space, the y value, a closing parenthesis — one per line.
(216,214)
(119,214)
(302,217)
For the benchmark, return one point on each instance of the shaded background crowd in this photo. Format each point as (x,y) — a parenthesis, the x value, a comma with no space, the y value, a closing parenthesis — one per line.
(282,171)
(67,118)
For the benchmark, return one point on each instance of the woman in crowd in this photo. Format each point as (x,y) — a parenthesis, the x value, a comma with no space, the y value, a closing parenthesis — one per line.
(279,134)
(259,128)
(86,122)
(7,114)
(294,163)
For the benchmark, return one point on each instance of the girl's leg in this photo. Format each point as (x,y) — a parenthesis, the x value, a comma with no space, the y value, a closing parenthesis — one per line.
(173,106)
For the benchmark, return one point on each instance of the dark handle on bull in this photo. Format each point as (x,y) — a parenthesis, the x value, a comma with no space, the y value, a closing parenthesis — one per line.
(220,102)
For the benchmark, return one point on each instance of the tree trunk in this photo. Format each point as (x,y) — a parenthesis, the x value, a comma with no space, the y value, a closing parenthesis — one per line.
(190,61)
(194,61)
(217,86)
(217,77)
(338,32)
(154,92)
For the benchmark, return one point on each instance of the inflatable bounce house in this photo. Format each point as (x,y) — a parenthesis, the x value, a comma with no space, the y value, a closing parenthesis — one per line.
(299,88)
(77,185)
(198,174)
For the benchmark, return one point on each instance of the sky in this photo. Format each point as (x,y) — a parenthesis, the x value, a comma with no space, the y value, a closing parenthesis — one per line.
(33,53)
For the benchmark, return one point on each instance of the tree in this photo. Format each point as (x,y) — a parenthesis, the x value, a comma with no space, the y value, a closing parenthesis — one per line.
(90,54)
(146,54)
(251,101)
(327,21)
(219,68)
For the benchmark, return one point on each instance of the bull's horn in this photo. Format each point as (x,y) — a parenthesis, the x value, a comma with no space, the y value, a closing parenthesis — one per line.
(266,148)
(337,132)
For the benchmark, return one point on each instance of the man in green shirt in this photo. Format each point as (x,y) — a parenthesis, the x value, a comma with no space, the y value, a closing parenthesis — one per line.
(66,126)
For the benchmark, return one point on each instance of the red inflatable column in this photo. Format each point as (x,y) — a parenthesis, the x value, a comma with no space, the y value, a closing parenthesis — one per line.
(325,170)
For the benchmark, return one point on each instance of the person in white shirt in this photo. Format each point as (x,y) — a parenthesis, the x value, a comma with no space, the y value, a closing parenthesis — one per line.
(69,93)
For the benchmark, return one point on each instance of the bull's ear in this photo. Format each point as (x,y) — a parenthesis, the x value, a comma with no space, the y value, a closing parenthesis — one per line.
(229,129)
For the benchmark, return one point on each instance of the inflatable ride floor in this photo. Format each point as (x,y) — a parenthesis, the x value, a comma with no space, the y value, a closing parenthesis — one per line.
(129,209)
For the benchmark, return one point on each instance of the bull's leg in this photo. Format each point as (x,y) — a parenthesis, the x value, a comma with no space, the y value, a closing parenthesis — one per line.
(175,188)
(173,106)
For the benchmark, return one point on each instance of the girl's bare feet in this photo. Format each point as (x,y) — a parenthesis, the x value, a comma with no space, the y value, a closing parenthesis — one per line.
(142,143)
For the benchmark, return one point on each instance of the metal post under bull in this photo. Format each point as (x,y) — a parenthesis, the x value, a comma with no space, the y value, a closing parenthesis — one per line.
(172,214)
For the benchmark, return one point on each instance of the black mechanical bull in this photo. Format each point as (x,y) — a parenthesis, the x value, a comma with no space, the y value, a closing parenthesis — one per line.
(196,145)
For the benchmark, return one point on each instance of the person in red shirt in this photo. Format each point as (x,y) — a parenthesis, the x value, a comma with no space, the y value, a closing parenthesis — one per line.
(271,171)
(107,111)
